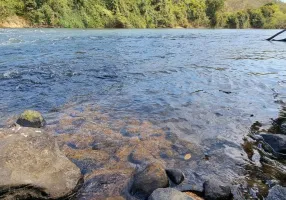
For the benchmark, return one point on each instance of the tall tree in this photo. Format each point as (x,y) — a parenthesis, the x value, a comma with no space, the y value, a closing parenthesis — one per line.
(212,7)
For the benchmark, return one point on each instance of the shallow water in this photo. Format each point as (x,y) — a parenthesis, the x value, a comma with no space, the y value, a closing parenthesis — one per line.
(205,86)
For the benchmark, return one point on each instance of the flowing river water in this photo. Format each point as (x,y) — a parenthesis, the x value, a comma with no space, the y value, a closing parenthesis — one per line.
(146,95)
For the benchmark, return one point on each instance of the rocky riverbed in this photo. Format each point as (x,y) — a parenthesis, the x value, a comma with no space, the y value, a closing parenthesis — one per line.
(88,155)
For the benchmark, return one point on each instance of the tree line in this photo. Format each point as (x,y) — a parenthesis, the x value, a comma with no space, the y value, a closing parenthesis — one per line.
(142,14)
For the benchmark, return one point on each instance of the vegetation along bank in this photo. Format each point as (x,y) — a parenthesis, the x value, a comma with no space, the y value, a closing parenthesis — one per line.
(143,13)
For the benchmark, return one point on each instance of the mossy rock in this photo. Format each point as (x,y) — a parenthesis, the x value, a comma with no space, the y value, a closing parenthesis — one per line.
(31,118)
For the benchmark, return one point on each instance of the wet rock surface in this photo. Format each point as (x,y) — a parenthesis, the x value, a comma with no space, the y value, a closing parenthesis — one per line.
(31,118)
(276,141)
(168,194)
(148,180)
(105,184)
(175,175)
(216,190)
(32,166)
(277,193)
(265,147)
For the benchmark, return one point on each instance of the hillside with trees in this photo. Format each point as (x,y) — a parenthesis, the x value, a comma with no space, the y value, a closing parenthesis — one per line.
(147,13)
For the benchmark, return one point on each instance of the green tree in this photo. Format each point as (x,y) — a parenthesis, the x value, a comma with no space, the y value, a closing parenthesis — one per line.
(243,19)
(232,21)
(196,12)
(269,10)
(256,18)
(212,7)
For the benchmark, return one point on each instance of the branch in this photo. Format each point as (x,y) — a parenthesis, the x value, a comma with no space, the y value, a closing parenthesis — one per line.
(269,39)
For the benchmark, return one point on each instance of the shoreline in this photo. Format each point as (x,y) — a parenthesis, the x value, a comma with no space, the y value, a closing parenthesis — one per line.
(125,163)
(159,28)
(16,22)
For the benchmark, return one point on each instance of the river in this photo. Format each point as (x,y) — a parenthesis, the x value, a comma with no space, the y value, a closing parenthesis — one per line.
(205,87)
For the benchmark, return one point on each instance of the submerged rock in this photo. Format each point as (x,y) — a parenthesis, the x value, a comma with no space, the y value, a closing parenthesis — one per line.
(175,175)
(277,193)
(33,167)
(216,190)
(31,118)
(148,180)
(276,141)
(107,184)
(168,194)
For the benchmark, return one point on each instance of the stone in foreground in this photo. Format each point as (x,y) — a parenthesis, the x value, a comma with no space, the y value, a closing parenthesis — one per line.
(215,190)
(277,193)
(175,175)
(33,167)
(168,194)
(148,180)
(31,118)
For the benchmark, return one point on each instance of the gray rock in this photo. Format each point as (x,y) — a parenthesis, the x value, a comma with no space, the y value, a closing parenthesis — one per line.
(216,190)
(283,127)
(237,192)
(148,180)
(31,118)
(168,194)
(276,141)
(33,166)
(277,193)
(175,175)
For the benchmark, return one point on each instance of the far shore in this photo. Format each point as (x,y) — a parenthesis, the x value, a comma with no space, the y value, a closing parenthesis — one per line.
(16,22)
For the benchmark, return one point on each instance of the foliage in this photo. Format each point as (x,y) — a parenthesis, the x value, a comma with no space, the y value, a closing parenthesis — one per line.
(147,13)
(213,6)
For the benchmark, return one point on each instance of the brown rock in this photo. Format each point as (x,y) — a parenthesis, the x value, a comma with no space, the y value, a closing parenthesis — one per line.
(31,161)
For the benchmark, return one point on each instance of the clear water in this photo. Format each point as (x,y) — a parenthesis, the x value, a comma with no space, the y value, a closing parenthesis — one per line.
(206,86)
(181,77)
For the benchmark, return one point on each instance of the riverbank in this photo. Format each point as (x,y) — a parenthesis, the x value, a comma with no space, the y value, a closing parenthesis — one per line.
(15,22)
(20,22)
(128,14)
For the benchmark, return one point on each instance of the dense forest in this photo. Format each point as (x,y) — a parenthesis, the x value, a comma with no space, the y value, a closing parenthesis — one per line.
(147,13)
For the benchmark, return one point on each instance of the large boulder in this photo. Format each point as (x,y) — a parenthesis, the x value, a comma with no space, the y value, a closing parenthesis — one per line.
(148,180)
(33,167)
(277,193)
(168,194)
(216,190)
(276,141)
(31,118)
